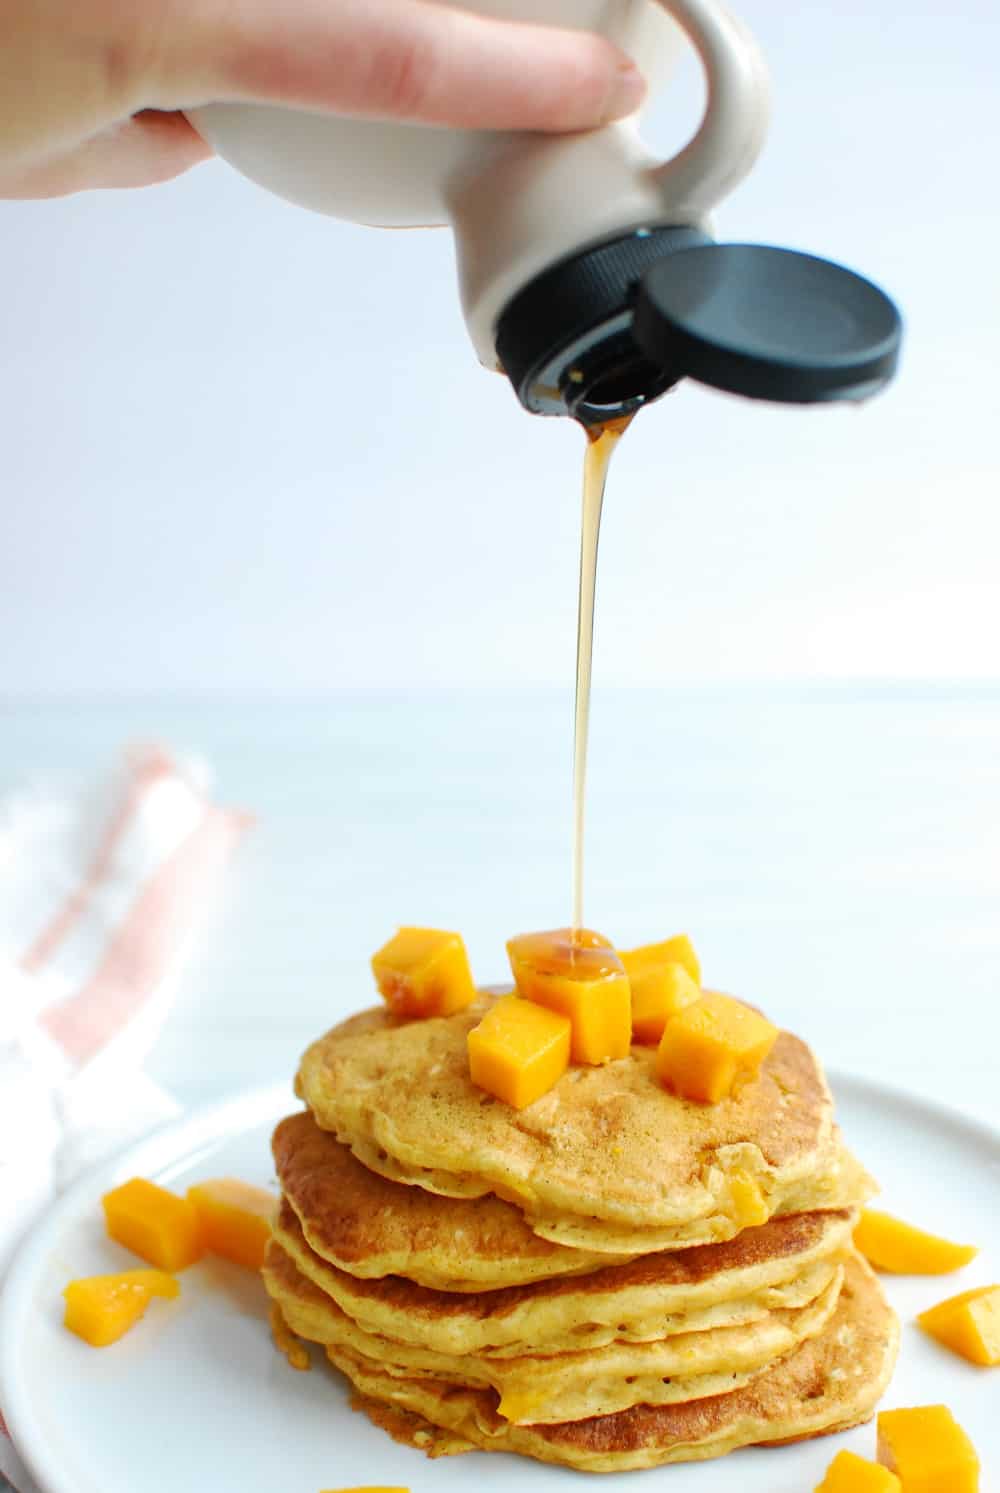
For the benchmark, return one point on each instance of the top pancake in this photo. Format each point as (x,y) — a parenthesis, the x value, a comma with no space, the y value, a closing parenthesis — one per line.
(605,1143)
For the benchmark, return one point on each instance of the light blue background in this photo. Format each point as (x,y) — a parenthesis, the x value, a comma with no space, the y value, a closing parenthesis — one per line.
(834,851)
(245,447)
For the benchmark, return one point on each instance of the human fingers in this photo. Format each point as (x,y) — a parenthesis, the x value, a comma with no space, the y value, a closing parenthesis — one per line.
(400,59)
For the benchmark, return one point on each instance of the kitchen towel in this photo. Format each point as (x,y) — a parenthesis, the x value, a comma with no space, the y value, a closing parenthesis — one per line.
(101,891)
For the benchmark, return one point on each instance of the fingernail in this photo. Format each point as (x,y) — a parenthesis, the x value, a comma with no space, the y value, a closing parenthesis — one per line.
(626,93)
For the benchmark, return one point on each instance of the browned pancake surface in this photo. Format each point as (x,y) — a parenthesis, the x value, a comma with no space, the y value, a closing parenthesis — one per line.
(828,1384)
(370,1226)
(779,1239)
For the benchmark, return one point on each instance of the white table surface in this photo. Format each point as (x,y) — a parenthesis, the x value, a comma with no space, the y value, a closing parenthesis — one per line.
(835,853)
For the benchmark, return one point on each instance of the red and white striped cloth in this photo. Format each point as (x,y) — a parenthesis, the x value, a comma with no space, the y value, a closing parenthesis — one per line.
(100,893)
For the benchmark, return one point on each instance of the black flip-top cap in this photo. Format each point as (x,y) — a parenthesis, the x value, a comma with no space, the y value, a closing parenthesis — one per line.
(767,323)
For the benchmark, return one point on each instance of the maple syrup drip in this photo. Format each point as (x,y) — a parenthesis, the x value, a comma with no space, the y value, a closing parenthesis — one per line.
(573,953)
(601,443)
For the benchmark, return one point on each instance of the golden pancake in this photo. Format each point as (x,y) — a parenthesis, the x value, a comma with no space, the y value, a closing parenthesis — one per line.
(606,1144)
(786,1263)
(842,1184)
(370,1227)
(830,1383)
(546,1388)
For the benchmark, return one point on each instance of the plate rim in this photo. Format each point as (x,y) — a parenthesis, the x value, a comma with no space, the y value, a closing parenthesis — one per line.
(204,1122)
(218,1119)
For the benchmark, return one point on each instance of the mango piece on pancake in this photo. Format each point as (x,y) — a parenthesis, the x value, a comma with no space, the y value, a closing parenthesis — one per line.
(519,1051)
(424,972)
(577,973)
(659,992)
(710,1044)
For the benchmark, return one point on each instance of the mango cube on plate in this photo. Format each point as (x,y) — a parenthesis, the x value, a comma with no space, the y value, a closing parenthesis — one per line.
(710,1044)
(235,1219)
(968,1324)
(518,1051)
(899,1248)
(424,972)
(153,1223)
(578,974)
(927,1450)
(101,1308)
(661,985)
(848,1473)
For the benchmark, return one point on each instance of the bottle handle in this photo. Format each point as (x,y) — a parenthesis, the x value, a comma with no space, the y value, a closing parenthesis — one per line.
(734,125)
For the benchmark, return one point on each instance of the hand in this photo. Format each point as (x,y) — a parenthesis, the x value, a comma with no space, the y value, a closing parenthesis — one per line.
(90,89)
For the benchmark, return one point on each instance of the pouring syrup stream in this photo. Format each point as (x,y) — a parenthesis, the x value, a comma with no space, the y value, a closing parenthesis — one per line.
(601,442)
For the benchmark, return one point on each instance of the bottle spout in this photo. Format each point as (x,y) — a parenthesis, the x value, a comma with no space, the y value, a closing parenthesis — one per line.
(566,340)
(611,379)
(612,328)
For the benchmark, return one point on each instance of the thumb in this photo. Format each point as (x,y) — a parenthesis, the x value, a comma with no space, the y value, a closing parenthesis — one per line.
(402,59)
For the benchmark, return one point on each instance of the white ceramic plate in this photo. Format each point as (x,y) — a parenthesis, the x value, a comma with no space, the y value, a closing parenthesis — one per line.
(197,1399)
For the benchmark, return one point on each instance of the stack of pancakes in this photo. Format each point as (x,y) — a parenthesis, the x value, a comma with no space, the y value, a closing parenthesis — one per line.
(611,1278)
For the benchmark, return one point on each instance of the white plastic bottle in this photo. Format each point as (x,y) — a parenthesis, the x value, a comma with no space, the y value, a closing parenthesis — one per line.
(553,233)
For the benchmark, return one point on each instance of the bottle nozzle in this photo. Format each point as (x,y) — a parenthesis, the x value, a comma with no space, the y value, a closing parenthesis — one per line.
(610,379)
(565,341)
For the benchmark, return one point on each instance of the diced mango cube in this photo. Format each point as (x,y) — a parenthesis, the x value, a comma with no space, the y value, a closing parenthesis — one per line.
(379,1489)
(102,1308)
(519,1050)
(577,973)
(848,1473)
(424,972)
(899,1248)
(749,1208)
(709,1045)
(968,1324)
(154,1223)
(235,1219)
(660,988)
(927,1450)
(519,1406)
(676,950)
